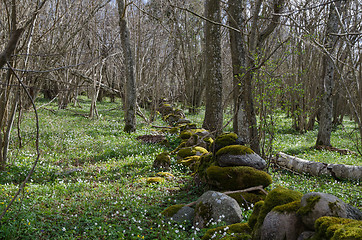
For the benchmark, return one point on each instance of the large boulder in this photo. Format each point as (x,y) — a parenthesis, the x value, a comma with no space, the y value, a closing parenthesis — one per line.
(315,205)
(236,178)
(213,207)
(184,214)
(277,197)
(282,223)
(237,155)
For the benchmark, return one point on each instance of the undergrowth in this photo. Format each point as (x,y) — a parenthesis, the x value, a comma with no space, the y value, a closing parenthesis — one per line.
(87,183)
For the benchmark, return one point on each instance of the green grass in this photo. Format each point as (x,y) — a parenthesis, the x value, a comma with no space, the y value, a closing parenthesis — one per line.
(103,198)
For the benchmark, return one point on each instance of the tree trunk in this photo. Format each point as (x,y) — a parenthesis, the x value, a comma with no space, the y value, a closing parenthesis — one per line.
(130,88)
(325,125)
(213,78)
(238,57)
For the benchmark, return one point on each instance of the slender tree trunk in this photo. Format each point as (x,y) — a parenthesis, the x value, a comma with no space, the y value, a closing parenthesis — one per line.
(325,125)
(130,88)
(213,78)
(238,57)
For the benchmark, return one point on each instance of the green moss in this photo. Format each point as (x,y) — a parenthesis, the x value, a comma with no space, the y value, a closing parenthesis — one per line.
(276,197)
(225,139)
(155,180)
(190,160)
(338,228)
(191,151)
(172,210)
(174,130)
(236,178)
(240,228)
(209,141)
(204,212)
(245,199)
(187,126)
(254,216)
(186,134)
(205,162)
(182,145)
(311,202)
(162,160)
(291,207)
(234,150)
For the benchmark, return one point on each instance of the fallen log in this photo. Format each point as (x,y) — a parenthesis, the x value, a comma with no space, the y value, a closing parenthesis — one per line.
(338,171)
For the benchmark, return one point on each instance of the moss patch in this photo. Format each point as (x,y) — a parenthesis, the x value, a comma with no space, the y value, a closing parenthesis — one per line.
(240,228)
(186,134)
(225,139)
(205,162)
(338,228)
(236,178)
(203,214)
(191,151)
(155,180)
(254,216)
(311,202)
(172,210)
(234,150)
(291,207)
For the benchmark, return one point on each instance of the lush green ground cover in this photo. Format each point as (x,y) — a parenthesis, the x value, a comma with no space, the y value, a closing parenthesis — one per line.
(104,198)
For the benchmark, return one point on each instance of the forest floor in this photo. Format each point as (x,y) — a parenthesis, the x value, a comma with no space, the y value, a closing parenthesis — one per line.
(88,185)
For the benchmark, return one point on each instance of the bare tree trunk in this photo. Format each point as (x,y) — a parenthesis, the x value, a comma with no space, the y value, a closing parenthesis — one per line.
(238,57)
(213,77)
(325,125)
(130,89)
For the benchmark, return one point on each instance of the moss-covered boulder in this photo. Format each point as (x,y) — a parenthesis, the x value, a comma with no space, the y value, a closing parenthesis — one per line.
(205,162)
(241,230)
(282,223)
(171,118)
(196,140)
(236,178)
(172,210)
(338,229)
(226,139)
(248,199)
(162,161)
(165,109)
(190,151)
(277,197)
(315,205)
(237,155)
(253,219)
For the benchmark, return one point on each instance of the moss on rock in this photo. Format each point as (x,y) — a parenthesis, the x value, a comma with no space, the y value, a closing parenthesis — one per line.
(234,150)
(191,151)
(236,178)
(240,229)
(245,199)
(291,207)
(186,134)
(172,210)
(203,215)
(163,160)
(311,202)
(205,162)
(188,161)
(254,215)
(337,228)
(226,139)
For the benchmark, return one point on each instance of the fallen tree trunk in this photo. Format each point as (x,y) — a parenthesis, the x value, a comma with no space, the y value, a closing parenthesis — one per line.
(338,171)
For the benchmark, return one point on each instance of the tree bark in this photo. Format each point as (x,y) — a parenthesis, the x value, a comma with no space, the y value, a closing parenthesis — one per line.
(213,78)
(325,125)
(238,57)
(130,88)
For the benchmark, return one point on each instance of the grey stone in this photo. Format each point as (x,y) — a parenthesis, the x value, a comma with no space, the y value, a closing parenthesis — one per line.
(306,235)
(215,207)
(250,160)
(327,205)
(184,214)
(281,226)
